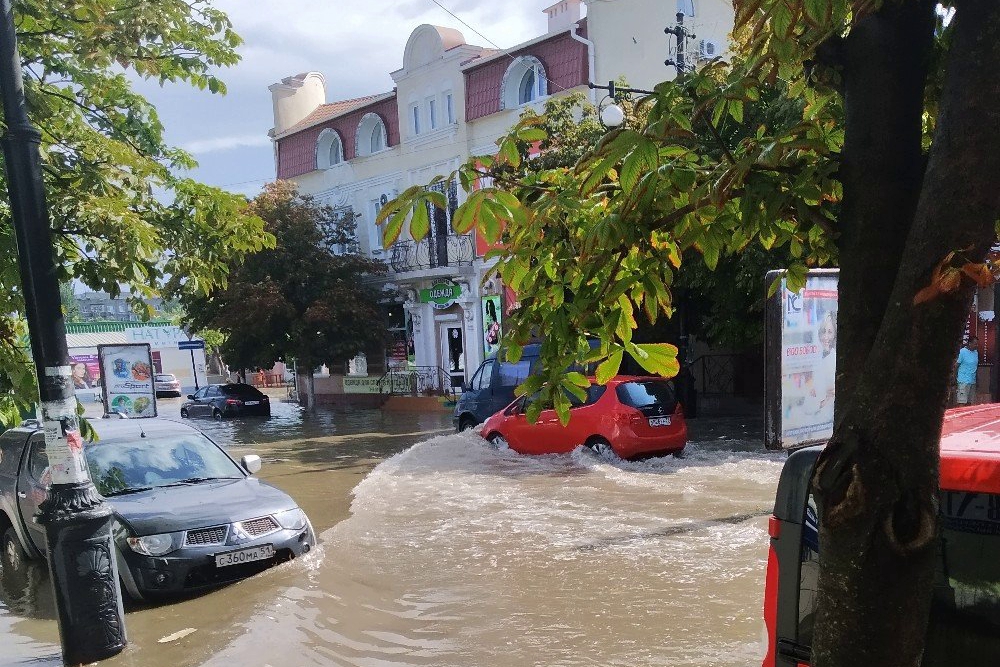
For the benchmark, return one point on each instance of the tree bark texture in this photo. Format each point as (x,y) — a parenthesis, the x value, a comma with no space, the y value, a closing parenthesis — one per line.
(876,482)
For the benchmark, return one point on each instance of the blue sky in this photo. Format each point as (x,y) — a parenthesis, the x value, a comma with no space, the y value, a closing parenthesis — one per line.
(354,44)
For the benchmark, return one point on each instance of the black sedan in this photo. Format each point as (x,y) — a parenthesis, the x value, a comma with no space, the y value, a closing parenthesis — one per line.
(187,516)
(226,400)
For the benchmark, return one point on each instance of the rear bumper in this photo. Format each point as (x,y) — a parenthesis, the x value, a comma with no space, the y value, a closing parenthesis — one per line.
(629,444)
(261,410)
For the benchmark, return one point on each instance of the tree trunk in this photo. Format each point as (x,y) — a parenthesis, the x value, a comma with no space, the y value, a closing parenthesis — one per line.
(877,480)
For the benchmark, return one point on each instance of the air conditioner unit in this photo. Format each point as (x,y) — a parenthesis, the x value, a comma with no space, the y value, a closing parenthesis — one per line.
(708,49)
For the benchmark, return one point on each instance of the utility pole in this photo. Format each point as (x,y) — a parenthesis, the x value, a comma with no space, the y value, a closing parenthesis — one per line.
(81,554)
(682,35)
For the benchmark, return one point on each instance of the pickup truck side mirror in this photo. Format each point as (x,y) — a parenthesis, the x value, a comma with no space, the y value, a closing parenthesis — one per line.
(251,463)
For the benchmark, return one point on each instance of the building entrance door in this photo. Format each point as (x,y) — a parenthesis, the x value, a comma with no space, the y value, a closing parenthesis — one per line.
(453,352)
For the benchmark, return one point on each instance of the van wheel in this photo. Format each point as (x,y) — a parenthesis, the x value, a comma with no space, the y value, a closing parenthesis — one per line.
(602,448)
(497,441)
(15,559)
(466,424)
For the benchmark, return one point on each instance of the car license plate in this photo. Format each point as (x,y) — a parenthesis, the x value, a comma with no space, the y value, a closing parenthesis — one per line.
(251,402)
(240,556)
(659,421)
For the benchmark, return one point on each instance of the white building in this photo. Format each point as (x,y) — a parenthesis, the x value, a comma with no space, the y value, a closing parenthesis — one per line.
(452,101)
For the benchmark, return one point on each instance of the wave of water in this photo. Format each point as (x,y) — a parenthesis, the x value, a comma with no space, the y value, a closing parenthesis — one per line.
(459,554)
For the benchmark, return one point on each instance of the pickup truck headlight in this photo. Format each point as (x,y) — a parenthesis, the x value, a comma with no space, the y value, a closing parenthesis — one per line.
(153,545)
(291,519)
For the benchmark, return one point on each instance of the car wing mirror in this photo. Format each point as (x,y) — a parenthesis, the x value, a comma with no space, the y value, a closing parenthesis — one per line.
(251,463)
(191,396)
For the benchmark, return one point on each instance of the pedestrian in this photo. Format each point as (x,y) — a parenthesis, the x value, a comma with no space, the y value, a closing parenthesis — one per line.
(968,364)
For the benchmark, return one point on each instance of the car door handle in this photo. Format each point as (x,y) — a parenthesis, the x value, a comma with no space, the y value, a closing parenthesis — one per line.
(22,494)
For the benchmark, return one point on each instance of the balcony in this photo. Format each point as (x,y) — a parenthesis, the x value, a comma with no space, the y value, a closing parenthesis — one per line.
(433,252)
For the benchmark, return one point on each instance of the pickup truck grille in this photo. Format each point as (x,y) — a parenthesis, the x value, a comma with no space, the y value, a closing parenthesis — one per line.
(202,536)
(258,527)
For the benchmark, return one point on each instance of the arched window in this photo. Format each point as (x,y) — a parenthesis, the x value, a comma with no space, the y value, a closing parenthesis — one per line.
(329,149)
(371,136)
(524,82)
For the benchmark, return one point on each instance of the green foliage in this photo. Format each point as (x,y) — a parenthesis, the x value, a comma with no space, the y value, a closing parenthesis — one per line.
(297,300)
(121,214)
(70,307)
(707,171)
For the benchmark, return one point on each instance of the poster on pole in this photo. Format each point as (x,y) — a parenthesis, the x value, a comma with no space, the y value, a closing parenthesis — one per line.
(127,379)
(800,351)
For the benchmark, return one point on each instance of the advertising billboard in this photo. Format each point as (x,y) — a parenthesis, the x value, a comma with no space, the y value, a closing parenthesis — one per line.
(492,314)
(801,360)
(128,379)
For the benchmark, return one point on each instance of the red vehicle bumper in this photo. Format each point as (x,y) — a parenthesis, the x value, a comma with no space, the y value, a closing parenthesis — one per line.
(629,444)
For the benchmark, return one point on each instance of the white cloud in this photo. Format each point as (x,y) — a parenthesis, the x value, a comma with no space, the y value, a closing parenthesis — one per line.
(215,144)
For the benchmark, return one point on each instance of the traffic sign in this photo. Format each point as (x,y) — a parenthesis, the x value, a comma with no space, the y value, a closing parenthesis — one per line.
(190,345)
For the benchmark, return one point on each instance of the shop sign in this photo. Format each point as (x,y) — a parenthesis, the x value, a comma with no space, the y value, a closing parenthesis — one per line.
(127,375)
(441,295)
(156,336)
(374,384)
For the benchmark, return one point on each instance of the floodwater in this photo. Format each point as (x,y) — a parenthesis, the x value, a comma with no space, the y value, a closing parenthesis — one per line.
(437,550)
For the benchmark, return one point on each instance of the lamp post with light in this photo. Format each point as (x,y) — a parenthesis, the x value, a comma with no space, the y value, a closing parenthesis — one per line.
(612,115)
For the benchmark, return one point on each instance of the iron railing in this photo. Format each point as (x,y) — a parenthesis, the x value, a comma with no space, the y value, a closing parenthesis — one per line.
(432,252)
(715,374)
(416,381)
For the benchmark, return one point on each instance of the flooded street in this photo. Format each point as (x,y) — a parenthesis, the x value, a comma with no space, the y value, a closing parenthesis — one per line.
(453,553)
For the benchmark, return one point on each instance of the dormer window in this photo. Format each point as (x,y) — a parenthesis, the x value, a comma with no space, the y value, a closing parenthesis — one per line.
(329,149)
(371,135)
(523,83)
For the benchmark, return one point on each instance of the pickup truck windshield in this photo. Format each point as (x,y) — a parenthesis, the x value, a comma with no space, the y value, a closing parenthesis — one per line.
(121,466)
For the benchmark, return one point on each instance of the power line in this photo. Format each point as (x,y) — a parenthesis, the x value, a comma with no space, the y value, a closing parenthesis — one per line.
(494,44)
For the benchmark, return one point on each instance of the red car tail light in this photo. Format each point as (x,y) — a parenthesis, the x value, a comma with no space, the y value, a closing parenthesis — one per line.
(233,401)
(771,604)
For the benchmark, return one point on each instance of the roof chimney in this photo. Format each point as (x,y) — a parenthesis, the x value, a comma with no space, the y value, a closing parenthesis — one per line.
(295,97)
(564,14)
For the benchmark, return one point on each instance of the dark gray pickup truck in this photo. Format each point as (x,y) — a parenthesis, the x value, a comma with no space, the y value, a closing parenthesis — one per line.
(187,516)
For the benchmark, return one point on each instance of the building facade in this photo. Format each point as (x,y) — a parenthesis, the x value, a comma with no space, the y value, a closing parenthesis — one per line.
(451,102)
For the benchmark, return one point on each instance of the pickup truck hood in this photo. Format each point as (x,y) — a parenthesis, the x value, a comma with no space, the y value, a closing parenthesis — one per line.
(174,508)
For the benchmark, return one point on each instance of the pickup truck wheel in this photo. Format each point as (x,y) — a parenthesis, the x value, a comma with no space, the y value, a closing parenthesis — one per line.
(14,557)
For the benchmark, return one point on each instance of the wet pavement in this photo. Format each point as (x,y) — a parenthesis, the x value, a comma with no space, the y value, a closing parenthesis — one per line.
(438,550)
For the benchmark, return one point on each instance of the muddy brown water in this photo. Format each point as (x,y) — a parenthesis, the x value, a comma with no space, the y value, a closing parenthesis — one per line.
(437,550)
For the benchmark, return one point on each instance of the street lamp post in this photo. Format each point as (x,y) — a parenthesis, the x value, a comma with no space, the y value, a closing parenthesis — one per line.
(77,521)
(612,115)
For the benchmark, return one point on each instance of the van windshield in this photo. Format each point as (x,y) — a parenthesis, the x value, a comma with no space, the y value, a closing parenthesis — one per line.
(965,610)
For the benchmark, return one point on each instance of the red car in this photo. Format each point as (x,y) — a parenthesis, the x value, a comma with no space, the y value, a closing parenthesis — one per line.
(629,416)
(965,610)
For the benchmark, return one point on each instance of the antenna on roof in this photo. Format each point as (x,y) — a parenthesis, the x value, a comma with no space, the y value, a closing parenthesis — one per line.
(124,415)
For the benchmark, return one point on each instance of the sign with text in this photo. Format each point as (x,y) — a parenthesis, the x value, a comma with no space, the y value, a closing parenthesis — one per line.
(800,360)
(397,383)
(155,336)
(127,379)
(441,295)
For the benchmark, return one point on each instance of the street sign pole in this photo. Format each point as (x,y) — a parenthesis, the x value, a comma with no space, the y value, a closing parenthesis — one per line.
(194,369)
(81,554)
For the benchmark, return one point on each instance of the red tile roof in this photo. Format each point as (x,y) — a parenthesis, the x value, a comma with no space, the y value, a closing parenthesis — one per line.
(325,112)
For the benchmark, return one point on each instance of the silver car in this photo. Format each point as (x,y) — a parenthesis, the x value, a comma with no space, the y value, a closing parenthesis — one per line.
(167,385)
